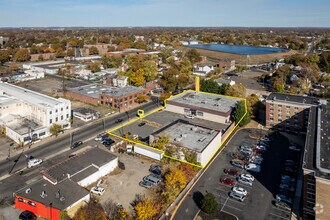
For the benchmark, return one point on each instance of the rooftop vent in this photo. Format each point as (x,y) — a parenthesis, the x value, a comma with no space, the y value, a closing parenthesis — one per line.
(194,128)
(28,190)
(58,194)
(43,194)
(202,139)
(62,199)
(203,102)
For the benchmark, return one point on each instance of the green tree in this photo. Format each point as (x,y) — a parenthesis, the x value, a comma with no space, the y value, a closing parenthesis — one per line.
(161,141)
(237,90)
(239,113)
(150,70)
(22,55)
(137,77)
(92,211)
(209,204)
(210,85)
(193,55)
(94,67)
(324,63)
(55,129)
(169,80)
(93,50)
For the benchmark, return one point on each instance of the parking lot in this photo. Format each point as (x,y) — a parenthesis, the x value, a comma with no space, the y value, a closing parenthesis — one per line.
(260,198)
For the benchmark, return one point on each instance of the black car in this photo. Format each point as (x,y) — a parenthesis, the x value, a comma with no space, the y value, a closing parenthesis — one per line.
(76,144)
(27,215)
(118,120)
(141,124)
(156,169)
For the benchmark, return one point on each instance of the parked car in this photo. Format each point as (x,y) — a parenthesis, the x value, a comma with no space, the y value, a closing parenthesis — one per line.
(227,181)
(283,198)
(261,147)
(282,205)
(97,190)
(247,176)
(239,190)
(76,144)
(34,162)
(145,184)
(98,138)
(294,148)
(27,215)
(286,186)
(156,169)
(245,147)
(141,124)
(265,139)
(190,116)
(246,151)
(238,163)
(236,196)
(118,120)
(154,180)
(244,181)
(253,167)
(231,172)
(256,159)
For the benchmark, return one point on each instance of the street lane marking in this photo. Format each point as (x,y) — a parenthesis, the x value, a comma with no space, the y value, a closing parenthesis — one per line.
(278,216)
(232,207)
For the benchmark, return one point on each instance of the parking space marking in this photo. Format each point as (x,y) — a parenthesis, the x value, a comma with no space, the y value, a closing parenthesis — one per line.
(232,207)
(244,186)
(221,189)
(282,210)
(278,216)
(238,202)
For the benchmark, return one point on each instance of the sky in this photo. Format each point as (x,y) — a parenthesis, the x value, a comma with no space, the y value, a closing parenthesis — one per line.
(190,13)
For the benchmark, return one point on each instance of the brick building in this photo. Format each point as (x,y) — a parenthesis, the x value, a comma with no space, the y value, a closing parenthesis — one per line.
(316,165)
(288,112)
(114,97)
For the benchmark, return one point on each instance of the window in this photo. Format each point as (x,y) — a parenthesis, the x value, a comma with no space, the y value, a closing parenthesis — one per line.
(50,112)
(287,107)
(56,110)
(288,117)
(61,117)
(271,104)
(186,110)
(102,97)
(271,118)
(280,120)
(31,203)
(42,133)
(279,106)
(130,97)
(200,113)
(20,199)
(56,119)
(295,108)
(125,98)
(50,121)
(130,102)
(67,107)
(61,109)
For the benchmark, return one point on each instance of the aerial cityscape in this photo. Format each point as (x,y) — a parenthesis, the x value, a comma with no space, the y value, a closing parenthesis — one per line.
(169,110)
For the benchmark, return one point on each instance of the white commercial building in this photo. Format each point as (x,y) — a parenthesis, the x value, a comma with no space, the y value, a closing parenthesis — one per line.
(27,115)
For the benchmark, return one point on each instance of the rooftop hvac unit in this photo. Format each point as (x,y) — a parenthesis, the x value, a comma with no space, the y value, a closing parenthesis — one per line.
(202,139)
(28,190)
(194,128)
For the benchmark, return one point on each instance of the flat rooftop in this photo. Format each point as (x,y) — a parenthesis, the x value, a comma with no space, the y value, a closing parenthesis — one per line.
(188,135)
(94,90)
(24,126)
(317,150)
(30,96)
(160,119)
(298,99)
(205,102)
(69,191)
(73,166)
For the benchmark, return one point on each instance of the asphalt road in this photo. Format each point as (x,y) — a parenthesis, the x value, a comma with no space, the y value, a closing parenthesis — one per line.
(258,203)
(19,162)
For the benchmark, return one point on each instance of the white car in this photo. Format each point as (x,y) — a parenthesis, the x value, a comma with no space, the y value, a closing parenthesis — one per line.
(261,147)
(236,196)
(247,176)
(244,181)
(97,190)
(190,116)
(245,147)
(34,162)
(239,190)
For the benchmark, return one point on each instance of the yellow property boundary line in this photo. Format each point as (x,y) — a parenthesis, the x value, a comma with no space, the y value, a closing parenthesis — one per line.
(110,132)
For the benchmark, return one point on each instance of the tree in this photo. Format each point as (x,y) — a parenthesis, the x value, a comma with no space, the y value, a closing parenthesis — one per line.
(239,113)
(150,70)
(93,50)
(210,85)
(324,63)
(169,80)
(55,129)
(4,56)
(64,215)
(70,52)
(253,104)
(144,209)
(164,96)
(92,211)
(237,90)
(137,77)
(193,55)
(161,141)
(111,62)
(208,204)
(60,53)
(175,179)
(22,55)
(183,80)
(94,67)
(115,211)
(141,98)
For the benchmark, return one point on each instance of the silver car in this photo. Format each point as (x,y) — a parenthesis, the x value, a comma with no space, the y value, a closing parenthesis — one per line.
(239,197)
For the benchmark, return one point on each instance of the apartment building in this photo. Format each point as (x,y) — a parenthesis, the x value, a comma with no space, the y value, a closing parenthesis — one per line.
(288,112)
(26,115)
(316,164)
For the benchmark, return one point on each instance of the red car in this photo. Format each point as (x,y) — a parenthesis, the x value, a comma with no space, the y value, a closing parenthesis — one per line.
(231,172)
(227,181)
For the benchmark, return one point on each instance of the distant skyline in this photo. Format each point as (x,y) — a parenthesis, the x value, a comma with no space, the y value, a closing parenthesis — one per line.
(180,13)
